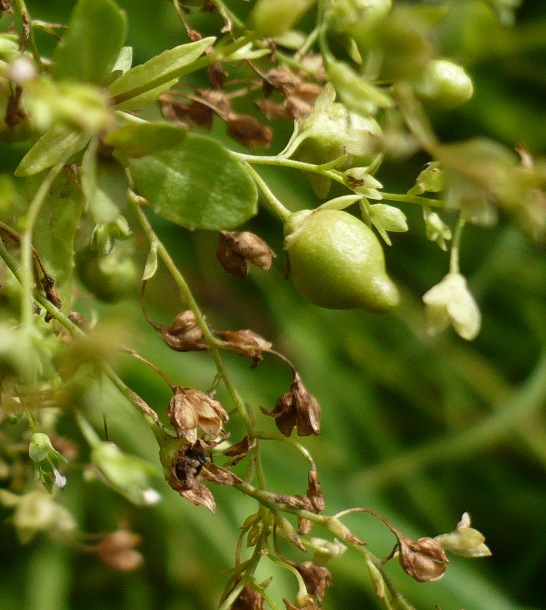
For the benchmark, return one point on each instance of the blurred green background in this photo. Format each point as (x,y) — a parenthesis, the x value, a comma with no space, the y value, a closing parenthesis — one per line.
(420,429)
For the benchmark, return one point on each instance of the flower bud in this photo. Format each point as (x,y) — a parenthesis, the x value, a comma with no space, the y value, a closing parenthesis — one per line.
(387,218)
(436,229)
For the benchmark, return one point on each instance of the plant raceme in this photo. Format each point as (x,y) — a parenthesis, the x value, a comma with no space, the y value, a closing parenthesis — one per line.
(110,151)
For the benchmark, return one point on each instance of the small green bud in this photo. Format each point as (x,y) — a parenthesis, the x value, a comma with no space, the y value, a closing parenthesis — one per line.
(436,228)
(443,85)
(273,18)
(387,218)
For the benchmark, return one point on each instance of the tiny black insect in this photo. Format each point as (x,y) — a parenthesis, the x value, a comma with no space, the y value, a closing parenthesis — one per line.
(188,465)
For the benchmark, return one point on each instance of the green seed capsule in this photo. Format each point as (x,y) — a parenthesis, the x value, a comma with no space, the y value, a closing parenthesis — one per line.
(337,262)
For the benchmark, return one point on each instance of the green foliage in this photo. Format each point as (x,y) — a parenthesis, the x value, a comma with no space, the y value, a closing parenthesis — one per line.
(240,459)
(198,185)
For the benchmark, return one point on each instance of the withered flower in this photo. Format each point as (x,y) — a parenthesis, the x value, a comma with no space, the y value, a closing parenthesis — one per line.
(190,409)
(248,130)
(184,334)
(191,114)
(424,560)
(117,550)
(236,249)
(246,343)
(238,451)
(187,466)
(249,599)
(298,408)
(316,578)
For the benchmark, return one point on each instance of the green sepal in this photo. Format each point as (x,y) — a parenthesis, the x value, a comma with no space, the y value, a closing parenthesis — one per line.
(96,33)
(140,139)
(143,84)
(198,186)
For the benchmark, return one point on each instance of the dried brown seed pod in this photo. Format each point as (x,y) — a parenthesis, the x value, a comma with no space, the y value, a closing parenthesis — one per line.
(236,249)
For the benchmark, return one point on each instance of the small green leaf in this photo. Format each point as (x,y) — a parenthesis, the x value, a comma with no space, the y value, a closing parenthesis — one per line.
(96,32)
(140,139)
(143,84)
(55,230)
(104,184)
(58,143)
(198,186)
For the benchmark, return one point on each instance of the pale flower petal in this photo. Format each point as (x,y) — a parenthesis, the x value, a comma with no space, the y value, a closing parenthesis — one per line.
(450,301)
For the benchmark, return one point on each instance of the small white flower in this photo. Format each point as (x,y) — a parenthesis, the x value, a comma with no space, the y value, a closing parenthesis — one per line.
(451,302)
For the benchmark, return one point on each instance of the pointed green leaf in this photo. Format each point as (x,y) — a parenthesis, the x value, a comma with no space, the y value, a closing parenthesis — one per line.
(139,139)
(58,143)
(198,186)
(143,84)
(55,230)
(96,33)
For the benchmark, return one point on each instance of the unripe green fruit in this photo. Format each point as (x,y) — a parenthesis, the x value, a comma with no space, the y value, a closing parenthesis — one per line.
(337,262)
(110,278)
(443,85)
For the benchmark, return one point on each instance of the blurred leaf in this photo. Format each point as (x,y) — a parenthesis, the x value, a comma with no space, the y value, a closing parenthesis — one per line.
(54,233)
(58,143)
(96,33)
(138,140)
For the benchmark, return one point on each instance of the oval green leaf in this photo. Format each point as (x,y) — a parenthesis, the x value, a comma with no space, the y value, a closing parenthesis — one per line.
(96,33)
(198,186)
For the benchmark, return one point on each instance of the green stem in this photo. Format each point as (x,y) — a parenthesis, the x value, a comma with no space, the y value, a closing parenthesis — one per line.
(27,276)
(415,199)
(456,244)
(187,297)
(25,16)
(277,206)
